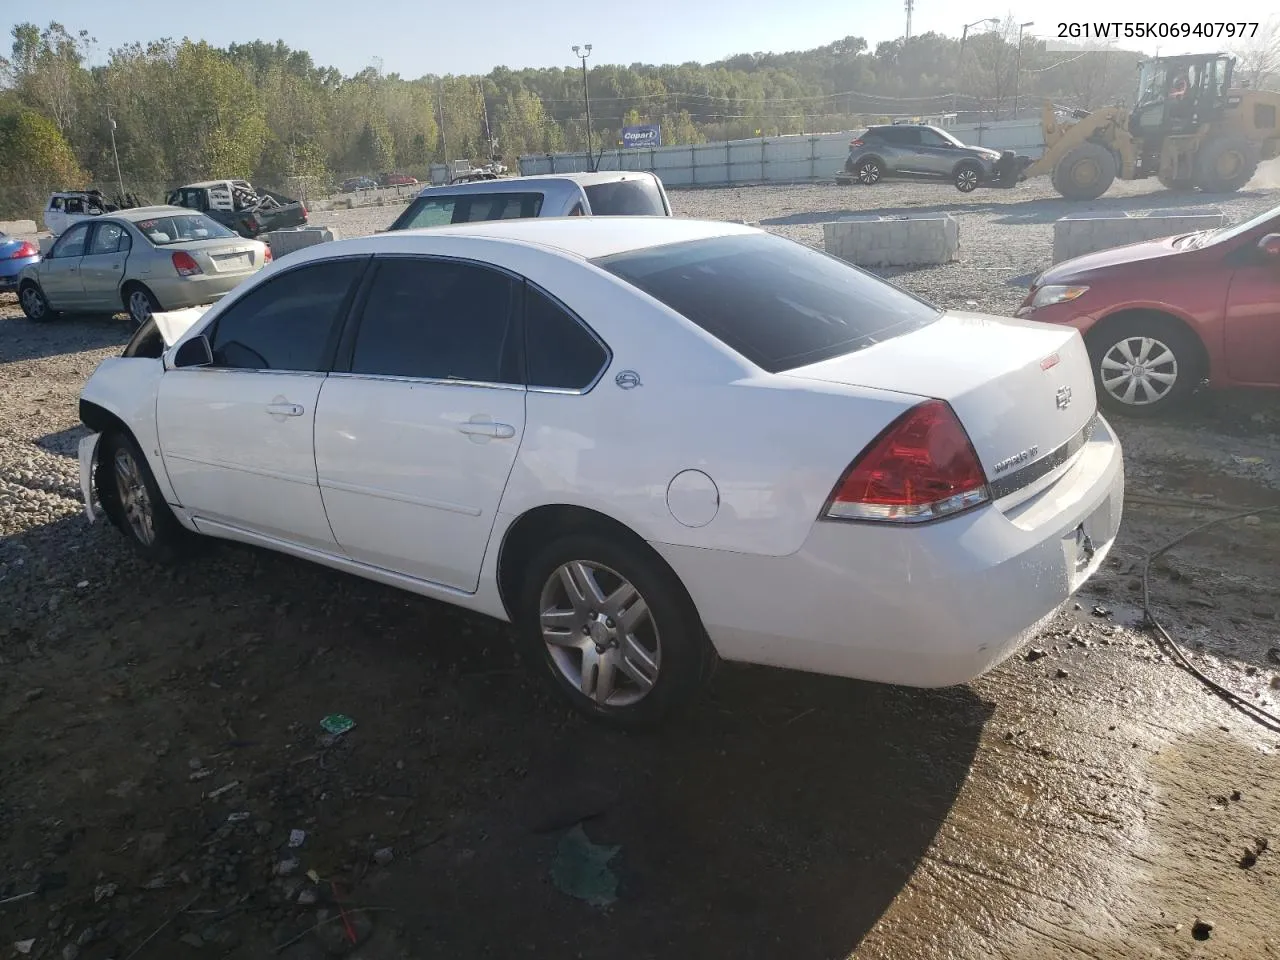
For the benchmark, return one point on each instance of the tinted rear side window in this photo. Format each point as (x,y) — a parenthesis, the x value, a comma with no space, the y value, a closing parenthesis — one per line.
(626,198)
(780,304)
(559,352)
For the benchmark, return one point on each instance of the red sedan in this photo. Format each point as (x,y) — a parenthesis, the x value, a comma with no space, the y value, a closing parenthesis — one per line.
(1161,318)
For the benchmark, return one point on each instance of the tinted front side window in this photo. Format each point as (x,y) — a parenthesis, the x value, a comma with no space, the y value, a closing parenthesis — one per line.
(559,352)
(71,243)
(780,304)
(286,323)
(626,198)
(438,320)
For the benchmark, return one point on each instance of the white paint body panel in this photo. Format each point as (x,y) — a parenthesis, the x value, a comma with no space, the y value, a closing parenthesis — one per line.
(416,503)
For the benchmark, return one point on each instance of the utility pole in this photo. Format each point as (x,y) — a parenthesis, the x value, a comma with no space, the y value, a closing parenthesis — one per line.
(1017,66)
(964,35)
(484,105)
(582,53)
(112,125)
(909,6)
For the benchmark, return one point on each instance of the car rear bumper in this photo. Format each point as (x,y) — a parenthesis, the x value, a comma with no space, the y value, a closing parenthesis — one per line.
(176,293)
(929,606)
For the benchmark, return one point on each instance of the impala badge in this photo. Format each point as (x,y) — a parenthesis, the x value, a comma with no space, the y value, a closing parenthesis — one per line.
(1016,459)
(1064,398)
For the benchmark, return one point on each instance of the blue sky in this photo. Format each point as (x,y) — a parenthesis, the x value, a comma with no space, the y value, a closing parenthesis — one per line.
(448,36)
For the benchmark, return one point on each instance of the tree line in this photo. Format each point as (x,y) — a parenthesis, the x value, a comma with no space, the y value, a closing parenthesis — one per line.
(180,110)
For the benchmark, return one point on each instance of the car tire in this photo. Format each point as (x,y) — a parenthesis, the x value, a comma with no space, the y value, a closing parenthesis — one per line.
(869,172)
(1158,348)
(630,680)
(132,500)
(1224,166)
(140,303)
(1085,173)
(967,177)
(35,306)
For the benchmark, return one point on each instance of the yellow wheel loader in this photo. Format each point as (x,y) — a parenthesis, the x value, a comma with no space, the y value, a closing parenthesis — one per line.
(1190,128)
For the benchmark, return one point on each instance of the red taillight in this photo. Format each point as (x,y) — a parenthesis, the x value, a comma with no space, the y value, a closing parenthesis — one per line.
(921,467)
(266,254)
(25,249)
(185,264)
(855,143)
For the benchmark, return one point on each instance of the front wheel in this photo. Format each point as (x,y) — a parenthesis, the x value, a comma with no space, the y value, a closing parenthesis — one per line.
(34,304)
(967,177)
(1144,367)
(614,628)
(133,502)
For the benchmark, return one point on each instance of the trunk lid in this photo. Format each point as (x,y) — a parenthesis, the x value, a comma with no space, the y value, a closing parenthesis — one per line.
(1023,390)
(222,255)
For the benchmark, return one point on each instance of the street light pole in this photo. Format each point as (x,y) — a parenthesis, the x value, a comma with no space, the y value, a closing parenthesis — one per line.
(964,35)
(582,53)
(119,179)
(1017,66)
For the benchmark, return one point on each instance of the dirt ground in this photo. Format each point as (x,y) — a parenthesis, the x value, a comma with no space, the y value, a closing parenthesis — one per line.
(161,740)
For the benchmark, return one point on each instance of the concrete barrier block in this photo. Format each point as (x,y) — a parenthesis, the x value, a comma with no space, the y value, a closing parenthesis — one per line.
(1081,233)
(874,241)
(285,242)
(17,227)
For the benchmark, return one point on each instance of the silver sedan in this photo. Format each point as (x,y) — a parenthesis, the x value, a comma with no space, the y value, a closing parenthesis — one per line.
(142,260)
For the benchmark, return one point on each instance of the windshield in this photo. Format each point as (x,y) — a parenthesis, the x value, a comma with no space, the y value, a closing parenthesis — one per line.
(178,228)
(779,303)
(626,198)
(1223,234)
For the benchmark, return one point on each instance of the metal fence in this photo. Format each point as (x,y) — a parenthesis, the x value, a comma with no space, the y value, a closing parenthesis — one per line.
(788,159)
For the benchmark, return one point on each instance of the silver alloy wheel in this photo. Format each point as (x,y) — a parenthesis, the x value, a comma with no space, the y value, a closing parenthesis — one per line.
(32,302)
(600,633)
(139,306)
(869,172)
(967,179)
(135,500)
(1142,376)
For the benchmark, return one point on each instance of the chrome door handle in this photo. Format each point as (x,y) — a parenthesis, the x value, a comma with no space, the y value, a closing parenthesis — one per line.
(487,428)
(285,409)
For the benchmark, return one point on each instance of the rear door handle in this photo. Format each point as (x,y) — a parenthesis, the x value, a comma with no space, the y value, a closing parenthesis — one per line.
(285,409)
(487,428)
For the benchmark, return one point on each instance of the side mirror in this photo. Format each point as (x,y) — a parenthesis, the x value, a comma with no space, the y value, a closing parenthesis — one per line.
(195,352)
(1270,245)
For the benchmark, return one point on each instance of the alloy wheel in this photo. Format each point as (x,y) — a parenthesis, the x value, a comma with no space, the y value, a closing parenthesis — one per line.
(869,173)
(600,633)
(967,180)
(135,500)
(33,303)
(139,306)
(1139,371)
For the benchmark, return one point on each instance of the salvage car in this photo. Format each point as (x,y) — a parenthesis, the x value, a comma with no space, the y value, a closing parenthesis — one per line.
(923,152)
(140,260)
(1164,317)
(647,442)
(15,256)
(353,184)
(552,195)
(241,206)
(67,207)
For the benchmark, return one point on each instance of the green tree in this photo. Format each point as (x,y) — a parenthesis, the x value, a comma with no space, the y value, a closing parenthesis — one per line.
(37,160)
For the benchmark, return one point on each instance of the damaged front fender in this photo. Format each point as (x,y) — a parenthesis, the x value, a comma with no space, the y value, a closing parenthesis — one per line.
(88,452)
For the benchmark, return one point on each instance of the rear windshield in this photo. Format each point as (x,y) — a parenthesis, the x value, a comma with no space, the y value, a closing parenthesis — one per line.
(626,198)
(441,210)
(780,304)
(181,227)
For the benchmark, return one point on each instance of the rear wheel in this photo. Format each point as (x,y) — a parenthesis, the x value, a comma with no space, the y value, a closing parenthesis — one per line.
(1224,166)
(1145,366)
(870,171)
(140,303)
(614,629)
(1085,173)
(34,304)
(967,177)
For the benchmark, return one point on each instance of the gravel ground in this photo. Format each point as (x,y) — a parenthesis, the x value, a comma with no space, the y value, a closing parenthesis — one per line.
(162,740)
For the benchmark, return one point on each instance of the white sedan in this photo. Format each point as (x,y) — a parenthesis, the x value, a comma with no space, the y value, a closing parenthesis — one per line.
(645,442)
